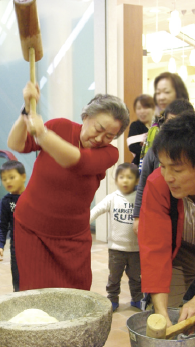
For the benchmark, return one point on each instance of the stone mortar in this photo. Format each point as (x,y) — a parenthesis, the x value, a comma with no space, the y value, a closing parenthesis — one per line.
(84,318)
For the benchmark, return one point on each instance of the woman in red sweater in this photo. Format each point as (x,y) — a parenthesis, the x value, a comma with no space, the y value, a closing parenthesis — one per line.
(53,239)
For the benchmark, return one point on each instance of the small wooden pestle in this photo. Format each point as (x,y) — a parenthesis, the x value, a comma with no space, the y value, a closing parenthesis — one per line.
(156,327)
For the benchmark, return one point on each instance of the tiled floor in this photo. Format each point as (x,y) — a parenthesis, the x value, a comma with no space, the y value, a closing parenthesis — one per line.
(119,336)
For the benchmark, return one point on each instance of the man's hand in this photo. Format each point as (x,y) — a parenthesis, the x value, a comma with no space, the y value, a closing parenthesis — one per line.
(1,254)
(188,310)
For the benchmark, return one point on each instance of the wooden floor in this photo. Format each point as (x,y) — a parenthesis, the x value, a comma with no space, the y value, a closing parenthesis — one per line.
(119,336)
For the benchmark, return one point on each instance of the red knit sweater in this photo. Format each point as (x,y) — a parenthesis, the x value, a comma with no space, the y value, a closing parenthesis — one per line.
(61,196)
(56,203)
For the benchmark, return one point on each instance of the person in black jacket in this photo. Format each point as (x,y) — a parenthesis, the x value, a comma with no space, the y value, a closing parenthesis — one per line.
(13,178)
(144,107)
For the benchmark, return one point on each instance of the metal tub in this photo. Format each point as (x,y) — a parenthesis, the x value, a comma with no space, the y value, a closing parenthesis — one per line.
(136,325)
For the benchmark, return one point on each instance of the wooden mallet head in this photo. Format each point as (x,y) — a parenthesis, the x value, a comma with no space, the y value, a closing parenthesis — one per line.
(29,28)
(156,326)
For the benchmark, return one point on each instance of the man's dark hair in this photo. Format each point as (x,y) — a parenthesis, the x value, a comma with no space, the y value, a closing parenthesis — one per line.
(132,167)
(178,106)
(177,138)
(11,165)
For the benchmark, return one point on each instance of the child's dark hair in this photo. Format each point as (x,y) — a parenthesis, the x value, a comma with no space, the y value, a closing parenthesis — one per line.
(178,106)
(11,165)
(132,167)
(176,138)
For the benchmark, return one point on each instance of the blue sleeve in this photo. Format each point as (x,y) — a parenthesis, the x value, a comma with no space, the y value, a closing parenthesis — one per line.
(149,165)
(4,222)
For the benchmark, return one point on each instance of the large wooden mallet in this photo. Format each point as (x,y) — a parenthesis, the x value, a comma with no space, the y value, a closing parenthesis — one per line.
(30,37)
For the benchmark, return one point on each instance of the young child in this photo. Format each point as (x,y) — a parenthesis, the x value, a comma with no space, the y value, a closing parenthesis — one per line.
(13,178)
(123,246)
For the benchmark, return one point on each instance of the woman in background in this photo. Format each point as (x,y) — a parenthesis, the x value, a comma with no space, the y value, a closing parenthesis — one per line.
(168,87)
(144,107)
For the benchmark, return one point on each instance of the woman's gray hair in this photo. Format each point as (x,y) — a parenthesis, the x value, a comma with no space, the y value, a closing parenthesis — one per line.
(105,103)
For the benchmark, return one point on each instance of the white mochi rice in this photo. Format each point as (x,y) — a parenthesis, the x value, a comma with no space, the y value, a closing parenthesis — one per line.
(33,316)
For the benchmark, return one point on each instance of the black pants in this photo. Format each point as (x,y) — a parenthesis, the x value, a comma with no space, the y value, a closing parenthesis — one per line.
(14,268)
(118,263)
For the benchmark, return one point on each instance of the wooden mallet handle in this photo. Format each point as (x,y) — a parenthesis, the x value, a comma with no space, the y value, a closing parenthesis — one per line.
(30,37)
(180,327)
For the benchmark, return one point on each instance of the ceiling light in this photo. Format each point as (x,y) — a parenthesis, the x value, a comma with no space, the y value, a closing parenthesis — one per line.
(192,57)
(143,40)
(167,41)
(172,65)
(175,23)
(156,56)
(183,73)
(156,53)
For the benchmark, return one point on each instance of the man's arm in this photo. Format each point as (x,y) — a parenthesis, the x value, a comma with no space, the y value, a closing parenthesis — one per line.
(160,302)
(155,236)
(155,241)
